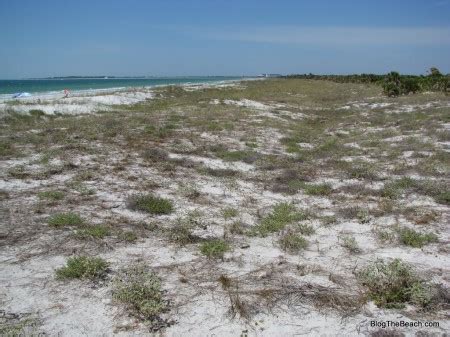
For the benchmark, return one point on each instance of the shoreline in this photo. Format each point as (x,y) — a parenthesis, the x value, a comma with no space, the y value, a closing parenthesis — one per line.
(91,101)
(50,93)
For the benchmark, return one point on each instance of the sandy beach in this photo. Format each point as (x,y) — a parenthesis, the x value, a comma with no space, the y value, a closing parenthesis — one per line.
(262,208)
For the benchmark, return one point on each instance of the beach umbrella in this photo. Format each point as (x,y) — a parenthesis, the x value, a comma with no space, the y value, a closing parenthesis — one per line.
(21,94)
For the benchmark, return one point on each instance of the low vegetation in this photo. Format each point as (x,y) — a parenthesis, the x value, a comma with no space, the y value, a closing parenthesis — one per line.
(393,83)
(415,239)
(317,189)
(128,236)
(83,267)
(215,248)
(139,290)
(393,284)
(150,204)
(281,215)
(349,242)
(306,229)
(65,219)
(94,231)
(229,213)
(337,170)
(51,195)
(292,242)
(181,232)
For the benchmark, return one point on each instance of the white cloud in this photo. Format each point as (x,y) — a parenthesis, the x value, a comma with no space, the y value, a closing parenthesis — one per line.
(332,35)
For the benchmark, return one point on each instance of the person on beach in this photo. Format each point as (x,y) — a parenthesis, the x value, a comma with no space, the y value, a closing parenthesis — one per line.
(66,93)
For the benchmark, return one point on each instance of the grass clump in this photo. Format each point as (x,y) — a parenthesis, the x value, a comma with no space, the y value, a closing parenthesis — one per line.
(95,231)
(159,132)
(437,190)
(395,188)
(292,242)
(237,227)
(51,195)
(385,236)
(229,213)
(306,229)
(245,156)
(363,171)
(19,172)
(415,239)
(155,154)
(16,325)
(128,236)
(214,248)
(328,220)
(7,149)
(282,214)
(182,232)
(393,284)
(140,291)
(36,113)
(221,173)
(150,204)
(83,267)
(349,242)
(443,197)
(363,215)
(317,189)
(65,219)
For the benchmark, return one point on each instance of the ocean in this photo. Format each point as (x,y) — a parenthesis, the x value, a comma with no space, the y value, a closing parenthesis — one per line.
(33,86)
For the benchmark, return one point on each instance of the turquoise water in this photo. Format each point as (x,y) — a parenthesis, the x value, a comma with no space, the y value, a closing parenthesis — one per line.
(75,84)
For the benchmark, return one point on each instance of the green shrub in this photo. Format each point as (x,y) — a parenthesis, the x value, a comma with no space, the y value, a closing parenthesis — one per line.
(391,89)
(140,291)
(415,239)
(292,242)
(214,248)
(393,284)
(150,204)
(82,267)
(158,132)
(65,219)
(395,85)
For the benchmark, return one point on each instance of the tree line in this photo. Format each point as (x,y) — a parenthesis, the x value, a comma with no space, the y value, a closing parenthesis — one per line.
(393,83)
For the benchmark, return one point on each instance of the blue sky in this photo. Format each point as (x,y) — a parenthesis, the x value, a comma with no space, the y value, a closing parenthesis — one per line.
(229,37)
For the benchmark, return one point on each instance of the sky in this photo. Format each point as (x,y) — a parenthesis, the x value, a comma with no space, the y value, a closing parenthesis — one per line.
(222,37)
